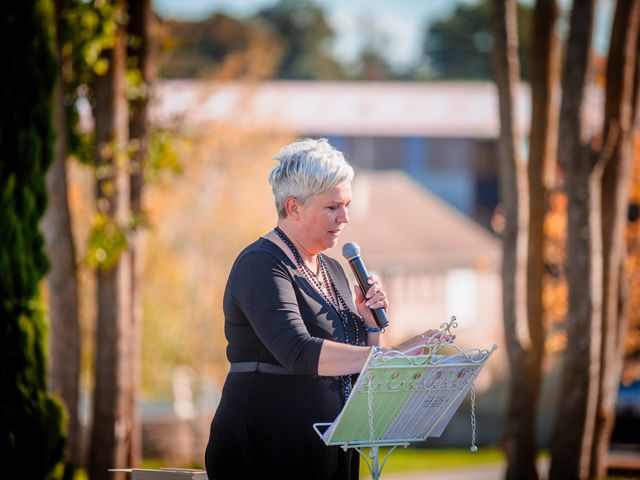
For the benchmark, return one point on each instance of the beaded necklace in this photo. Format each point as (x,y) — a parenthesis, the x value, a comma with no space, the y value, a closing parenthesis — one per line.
(337,302)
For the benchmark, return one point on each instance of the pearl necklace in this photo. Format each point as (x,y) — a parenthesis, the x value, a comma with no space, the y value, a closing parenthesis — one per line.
(338,303)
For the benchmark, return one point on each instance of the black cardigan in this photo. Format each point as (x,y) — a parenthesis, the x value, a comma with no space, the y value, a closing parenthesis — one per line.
(273,314)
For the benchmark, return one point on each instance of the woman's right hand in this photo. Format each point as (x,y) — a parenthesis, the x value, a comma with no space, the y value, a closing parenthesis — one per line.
(374,298)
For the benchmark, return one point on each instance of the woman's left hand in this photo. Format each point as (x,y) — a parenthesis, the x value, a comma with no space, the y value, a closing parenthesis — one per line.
(375,298)
(432,336)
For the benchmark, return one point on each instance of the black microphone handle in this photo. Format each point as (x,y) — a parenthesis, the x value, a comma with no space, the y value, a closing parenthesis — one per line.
(362,276)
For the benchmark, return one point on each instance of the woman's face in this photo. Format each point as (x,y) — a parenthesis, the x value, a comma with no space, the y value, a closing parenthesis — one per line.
(322,218)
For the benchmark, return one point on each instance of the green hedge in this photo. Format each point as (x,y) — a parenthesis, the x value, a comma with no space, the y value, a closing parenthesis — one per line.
(32,438)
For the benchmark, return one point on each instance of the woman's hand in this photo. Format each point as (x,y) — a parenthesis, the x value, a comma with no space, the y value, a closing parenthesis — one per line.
(375,298)
(432,336)
(415,345)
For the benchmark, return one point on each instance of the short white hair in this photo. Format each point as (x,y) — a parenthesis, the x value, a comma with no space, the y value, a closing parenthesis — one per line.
(305,168)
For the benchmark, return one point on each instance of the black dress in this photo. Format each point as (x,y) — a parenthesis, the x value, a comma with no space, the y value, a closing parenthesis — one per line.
(263,425)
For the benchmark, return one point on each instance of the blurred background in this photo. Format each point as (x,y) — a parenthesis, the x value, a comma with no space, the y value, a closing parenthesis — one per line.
(167,115)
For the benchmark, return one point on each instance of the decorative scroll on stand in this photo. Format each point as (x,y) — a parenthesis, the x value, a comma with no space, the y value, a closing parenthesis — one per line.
(401,398)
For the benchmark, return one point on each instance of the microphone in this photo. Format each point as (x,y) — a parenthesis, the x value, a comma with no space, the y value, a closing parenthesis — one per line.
(351,251)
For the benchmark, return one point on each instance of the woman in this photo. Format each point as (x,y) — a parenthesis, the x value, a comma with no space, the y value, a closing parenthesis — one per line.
(294,337)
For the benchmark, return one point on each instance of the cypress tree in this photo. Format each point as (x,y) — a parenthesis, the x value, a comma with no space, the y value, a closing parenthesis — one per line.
(32,434)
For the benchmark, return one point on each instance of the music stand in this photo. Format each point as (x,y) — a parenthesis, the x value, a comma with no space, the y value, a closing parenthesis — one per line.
(400,398)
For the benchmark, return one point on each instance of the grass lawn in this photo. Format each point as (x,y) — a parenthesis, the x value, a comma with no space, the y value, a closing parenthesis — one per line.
(413,459)
(401,460)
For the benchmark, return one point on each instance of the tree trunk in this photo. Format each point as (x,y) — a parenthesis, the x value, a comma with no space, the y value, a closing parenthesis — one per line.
(140,18)
(542,161)
(111,435)
(621,68)
(636,83)
(574,426)
(526,370)
(518,436)
(62,283)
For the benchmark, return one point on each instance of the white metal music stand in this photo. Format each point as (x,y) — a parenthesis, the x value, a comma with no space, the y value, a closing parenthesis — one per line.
(401,398)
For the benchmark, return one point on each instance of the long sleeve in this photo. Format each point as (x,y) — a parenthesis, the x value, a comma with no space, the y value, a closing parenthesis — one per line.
(262,290)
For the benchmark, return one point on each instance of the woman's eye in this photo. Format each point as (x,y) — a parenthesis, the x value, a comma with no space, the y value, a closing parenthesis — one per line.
(336,207)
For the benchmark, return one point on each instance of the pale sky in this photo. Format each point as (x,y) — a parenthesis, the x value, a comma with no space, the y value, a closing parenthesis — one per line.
(401,22)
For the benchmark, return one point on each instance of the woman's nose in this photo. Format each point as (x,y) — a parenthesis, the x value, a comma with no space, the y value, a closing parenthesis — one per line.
(343,217)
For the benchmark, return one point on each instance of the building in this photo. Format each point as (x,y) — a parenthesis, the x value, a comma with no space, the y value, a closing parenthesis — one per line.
(441,133)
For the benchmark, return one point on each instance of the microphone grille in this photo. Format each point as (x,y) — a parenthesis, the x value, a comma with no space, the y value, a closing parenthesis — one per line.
(350,250)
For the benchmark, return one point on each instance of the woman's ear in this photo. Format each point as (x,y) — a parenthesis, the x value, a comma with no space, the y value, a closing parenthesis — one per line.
(292,207)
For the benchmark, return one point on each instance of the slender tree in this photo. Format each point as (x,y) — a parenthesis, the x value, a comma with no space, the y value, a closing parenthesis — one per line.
(575,418)
(32,440)
(544,73)
(112,427)
(526,350)
(619,96)
(518,435)
(62,282)
(545,80)
(140,54)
